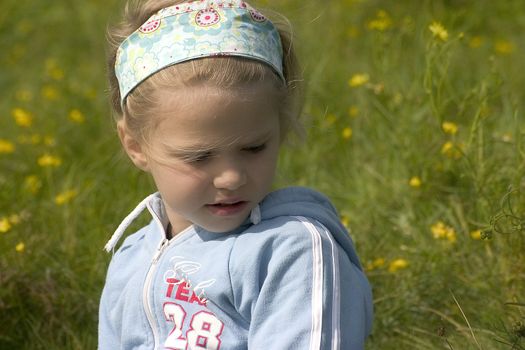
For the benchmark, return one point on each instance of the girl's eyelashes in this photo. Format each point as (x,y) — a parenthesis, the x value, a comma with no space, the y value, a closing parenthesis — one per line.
(197,157)
(200,157)
(256,149)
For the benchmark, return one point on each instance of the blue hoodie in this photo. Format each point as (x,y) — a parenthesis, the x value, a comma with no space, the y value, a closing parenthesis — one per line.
(287,278)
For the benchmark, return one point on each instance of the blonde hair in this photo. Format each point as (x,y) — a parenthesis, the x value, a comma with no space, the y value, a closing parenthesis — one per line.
(223,72)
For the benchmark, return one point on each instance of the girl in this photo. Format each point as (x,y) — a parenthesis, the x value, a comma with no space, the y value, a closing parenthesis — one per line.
(205,92)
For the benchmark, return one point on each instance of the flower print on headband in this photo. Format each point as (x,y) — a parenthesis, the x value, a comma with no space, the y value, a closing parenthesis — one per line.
(193,30)
(206,18)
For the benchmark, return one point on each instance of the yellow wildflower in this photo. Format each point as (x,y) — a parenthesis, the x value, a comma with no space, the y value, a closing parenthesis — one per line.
(50,92)
(22,117)
(438,31)
(381,23)
(331,118)
(450,150)
(451,235)
(76,116)
(20,247)
(415,181)
(358,80)
(397,264)
(345,220)
(5,225)
(6,146)
(449,127)
(438,229)
(379,262)
(347,133)
(375,264)
(447,146)
(65,197)
(353,111)
(32,184)
(441,231)
(504,47)
(475,42)
(476,234)
(48,160)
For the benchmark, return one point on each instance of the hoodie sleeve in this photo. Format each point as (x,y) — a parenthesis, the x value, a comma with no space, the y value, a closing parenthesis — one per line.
(107,334)
(298,289)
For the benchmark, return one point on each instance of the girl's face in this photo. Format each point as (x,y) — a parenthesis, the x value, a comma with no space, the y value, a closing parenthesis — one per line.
(213,154)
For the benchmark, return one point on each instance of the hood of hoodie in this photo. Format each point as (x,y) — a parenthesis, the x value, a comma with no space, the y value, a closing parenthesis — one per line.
(300,201)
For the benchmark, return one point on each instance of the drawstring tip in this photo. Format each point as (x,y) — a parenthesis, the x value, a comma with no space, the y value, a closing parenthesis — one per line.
(109,247)
(255,215)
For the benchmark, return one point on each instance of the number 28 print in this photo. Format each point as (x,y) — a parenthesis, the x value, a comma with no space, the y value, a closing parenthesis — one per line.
(204,333)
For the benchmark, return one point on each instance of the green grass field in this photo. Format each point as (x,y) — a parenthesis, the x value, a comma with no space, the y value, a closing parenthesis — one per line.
(415,129)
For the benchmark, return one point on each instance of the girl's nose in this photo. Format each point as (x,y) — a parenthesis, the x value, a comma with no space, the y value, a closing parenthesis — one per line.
(230,177)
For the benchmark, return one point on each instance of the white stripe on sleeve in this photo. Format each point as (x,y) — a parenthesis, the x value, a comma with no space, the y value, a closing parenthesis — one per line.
(317,285)
(336,298)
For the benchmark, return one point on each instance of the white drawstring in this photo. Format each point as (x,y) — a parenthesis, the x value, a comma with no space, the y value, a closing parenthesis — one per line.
(255,218)
(255,215)
(126,222)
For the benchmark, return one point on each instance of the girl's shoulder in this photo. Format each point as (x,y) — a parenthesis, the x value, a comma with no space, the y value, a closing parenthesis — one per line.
(274,238)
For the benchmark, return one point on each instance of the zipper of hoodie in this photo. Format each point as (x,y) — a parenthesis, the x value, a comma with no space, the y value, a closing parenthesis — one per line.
(146,291)
(146,294)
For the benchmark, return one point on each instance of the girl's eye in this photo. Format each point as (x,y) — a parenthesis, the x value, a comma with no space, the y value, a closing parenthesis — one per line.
(256,149)
(197,158)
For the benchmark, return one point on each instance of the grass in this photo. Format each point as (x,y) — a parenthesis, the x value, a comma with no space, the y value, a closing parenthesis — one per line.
(378,149)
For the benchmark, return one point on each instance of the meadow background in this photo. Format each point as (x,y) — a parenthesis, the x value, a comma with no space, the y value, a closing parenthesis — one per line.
(415,129)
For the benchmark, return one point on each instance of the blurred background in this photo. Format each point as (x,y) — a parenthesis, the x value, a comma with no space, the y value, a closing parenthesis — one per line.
(415,129)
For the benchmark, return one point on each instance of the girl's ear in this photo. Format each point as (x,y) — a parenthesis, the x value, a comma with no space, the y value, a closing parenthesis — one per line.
(132,147)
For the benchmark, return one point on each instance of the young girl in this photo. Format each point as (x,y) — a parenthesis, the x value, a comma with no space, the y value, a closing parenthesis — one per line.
(205,92)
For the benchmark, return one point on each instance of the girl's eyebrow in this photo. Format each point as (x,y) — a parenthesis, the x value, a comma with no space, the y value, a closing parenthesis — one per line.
(197,149)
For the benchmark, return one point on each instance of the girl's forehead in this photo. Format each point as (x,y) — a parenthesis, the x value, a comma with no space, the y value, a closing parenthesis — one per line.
(213,116)
(250,91)
(202,103)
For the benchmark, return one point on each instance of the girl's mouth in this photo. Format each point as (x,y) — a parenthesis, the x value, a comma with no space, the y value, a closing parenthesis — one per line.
(226,209)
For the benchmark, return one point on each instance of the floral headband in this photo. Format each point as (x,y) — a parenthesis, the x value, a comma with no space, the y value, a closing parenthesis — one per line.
(196,29)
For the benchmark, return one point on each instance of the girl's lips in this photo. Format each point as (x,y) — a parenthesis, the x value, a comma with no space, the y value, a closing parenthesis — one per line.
(227,209)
